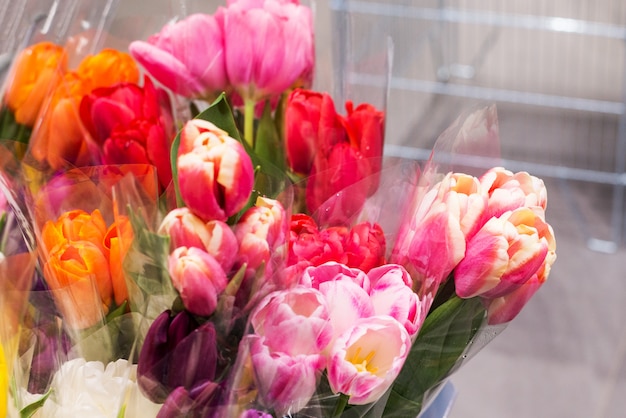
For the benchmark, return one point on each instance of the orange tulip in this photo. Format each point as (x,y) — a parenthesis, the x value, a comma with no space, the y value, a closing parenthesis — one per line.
(36,69)
(76,267)
(75,225)
(117,241)
(78,275)
(108,68)
(62,138)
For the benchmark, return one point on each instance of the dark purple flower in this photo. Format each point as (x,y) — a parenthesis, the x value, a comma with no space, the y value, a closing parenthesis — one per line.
(177,352)
(194,403)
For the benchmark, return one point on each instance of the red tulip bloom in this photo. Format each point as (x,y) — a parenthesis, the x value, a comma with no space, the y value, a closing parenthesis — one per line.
(132,124)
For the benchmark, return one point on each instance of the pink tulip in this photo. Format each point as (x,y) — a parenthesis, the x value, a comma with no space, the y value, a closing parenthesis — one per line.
(293,321)
(345,290)
(507,191)
(184,229)
(285,383)
(199,279)
(216,177)
(187,230)
(268,45)
(366,359)
(433,243)
(261,232)
(504,254)
(187,56)
(392,295)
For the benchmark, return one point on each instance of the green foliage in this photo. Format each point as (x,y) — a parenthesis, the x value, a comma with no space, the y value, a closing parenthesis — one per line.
(442,340)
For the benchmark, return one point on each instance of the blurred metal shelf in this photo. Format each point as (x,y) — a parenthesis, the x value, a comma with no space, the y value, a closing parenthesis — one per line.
(452,78)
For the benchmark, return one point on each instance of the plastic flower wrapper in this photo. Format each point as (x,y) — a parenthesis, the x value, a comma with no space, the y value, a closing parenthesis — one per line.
(39,59)
(81,255)
(477,277)
(17,266)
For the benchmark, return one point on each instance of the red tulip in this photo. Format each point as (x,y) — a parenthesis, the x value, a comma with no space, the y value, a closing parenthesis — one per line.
(311,125)
(132,124)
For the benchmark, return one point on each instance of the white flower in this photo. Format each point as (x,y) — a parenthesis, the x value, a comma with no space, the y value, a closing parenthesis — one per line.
(89,389)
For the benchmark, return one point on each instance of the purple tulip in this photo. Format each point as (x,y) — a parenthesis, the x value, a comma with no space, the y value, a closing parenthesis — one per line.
(177,351)
(189,403)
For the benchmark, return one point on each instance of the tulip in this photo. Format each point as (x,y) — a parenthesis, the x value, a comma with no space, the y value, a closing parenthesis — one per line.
(311,125)
(335,187)
(507,191)
(392,295)
(366,359)
(504,254)
(285,383)
(277,40)
(77,266)
(293,321)
(187,230)
(261,233)
(187,57)
(75,225)
(365,246)
(192,403)
(61,138)
(253,413)
(199,279)
(117,242)
(365,126)
(132,124)
(434,241)
(37,68)
(215,173)
(177,352)
(78,274)
(346,292)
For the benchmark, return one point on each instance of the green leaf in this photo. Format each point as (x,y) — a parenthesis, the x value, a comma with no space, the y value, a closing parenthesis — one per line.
(117,312)
(29,410)
(268,145)
(146,263)
(442,340)
(10,129)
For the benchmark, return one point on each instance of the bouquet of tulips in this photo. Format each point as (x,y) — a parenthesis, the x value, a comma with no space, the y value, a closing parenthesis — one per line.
(191,230)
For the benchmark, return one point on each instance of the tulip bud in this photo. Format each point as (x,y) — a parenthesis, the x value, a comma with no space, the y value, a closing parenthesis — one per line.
(177,351)
(199,279)
(504,254)
(36,69)
(392,295)
(216,176)
(261,232)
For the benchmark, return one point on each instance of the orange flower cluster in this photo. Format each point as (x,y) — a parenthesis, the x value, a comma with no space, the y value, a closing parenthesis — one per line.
(41,83)
(84,264)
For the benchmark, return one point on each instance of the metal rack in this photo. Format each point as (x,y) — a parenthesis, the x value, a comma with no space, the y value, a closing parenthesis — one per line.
(461,47)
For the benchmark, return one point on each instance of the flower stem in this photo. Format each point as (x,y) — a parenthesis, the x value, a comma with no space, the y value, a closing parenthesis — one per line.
(248,122)
(342,402)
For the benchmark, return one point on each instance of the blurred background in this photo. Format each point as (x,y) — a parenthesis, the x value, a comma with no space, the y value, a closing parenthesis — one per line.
(556,71)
